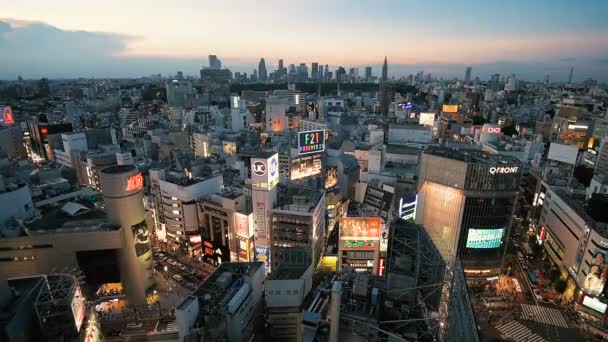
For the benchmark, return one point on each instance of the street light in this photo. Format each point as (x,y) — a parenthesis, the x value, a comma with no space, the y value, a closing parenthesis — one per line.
(166,268)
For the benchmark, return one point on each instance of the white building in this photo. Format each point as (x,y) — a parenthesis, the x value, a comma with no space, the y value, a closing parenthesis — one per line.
(409,134)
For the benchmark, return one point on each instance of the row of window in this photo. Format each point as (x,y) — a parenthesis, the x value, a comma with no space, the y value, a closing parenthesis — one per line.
(25,258)
(25,247)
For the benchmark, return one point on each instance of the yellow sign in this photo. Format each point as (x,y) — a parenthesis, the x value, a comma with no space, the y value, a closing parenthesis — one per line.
(330,262)
(450,108)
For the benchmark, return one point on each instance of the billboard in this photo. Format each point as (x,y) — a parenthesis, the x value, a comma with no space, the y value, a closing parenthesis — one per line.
(597,274)
(262,254)
(595,304)
(229,147)
(306,166)
(265,172)
(450,108)
(141,238)
(427,119)
(7,115)
(563,153)
(360,227)
(485,238)
(377,202)
(260,221)
(407,208)
(369,245)
(135,182)
(331,177)
(311,141)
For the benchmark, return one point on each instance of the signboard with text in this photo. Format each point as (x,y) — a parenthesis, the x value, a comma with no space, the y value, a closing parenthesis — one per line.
(306,166)
(265,172)
(311,142)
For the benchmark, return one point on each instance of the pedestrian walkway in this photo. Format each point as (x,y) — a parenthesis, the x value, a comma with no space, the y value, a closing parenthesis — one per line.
(171,326)
(543,314)
(518,332)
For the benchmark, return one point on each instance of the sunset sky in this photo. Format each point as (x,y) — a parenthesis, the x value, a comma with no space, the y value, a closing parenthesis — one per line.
(66,38)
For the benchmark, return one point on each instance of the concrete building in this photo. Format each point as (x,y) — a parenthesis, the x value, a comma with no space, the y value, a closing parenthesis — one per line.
(177,92)
(409,134)
(224,306)
(286,290)
(44,137)
(276,118)
(17,200)
(466,201)
(108,247)
(11,142)
(179,195)
(297,229)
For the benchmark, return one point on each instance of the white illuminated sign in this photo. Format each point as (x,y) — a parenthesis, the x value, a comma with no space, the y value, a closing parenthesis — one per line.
(595,304)
(509,169)
(493,129)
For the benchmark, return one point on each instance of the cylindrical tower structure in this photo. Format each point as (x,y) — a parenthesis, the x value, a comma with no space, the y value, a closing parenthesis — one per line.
(122,191)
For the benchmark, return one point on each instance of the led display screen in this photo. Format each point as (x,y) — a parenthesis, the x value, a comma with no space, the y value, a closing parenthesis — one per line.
(485,238)
(360,227)
(306,166)
(311,141)
(595,304)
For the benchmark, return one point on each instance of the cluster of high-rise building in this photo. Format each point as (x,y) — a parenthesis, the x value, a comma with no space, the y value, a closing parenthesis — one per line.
(401,193)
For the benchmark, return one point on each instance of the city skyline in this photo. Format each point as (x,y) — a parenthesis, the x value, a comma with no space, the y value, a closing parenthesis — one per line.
(526,39)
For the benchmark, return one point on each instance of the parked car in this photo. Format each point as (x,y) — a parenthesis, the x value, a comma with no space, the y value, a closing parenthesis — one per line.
(177,277)
(537,295)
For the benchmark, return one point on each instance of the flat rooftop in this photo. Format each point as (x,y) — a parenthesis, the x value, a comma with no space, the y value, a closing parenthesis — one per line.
(220,285)
(55,220)
(471,156)
(287,273)
(578,203)
(298,199)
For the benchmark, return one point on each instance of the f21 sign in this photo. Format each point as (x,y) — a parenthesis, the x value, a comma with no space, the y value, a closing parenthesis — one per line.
(311,141)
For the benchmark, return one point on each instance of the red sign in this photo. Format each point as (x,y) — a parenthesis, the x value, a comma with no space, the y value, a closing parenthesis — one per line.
(135,182)
(196,239)
(44,130)
(381,268)
(208,244)
(7,115)
(208,251)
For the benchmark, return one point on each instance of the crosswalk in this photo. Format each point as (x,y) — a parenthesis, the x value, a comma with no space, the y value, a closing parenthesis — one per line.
(518,332)
(543,314)
(171,326)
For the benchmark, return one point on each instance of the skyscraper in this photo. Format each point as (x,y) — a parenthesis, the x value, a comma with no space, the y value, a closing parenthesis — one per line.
(466,202)
(467,75)
(214,62)
(570,78)
(368,72)
(326,72)
(262,74)
(280,64)
(314,72)
(384,70)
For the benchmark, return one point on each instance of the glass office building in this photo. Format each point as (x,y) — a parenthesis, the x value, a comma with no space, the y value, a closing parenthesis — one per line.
(466,203)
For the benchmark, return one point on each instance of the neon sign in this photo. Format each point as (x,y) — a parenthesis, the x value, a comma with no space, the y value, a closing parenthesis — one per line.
(44,130)
(311,141)
(7,115)
(259,168)
(493,129)
(510,169)
(135,182)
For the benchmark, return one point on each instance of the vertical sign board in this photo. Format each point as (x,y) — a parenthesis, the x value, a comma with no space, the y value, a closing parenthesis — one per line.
(262,254)
(311,141)
(265,172)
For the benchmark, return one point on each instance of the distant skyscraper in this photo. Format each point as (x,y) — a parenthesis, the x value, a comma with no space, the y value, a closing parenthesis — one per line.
(280,64)
(384,70)
(314,72)
(467,75)
(326,73)
(571,72)
(495,78)
(214,62)
(368,72)
(262,74)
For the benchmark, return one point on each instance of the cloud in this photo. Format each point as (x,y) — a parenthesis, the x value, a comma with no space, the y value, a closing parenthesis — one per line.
(35,48)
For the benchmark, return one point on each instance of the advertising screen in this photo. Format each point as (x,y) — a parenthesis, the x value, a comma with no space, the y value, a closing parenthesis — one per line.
(597,274)
(7,115)
(331,179)
(262,254)
(265,172)
(377,202)
(360,244)
(311,141)
(485,238)
(450,108)
(141,238)
(595,304)
(229,147)
(306,166)
(427,119)
(407,208)
(363,227)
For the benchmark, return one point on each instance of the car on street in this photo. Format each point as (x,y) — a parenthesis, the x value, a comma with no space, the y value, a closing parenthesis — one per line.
(537,295)
(171,262)
(135,325)
(177,277)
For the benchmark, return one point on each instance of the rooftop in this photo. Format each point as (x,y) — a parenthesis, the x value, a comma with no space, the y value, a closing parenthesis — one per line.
(287,273)
(470,156)
(56,220)
(298,199)
(578,203)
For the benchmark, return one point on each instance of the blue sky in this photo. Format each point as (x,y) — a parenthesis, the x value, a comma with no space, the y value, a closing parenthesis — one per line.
(69,38)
